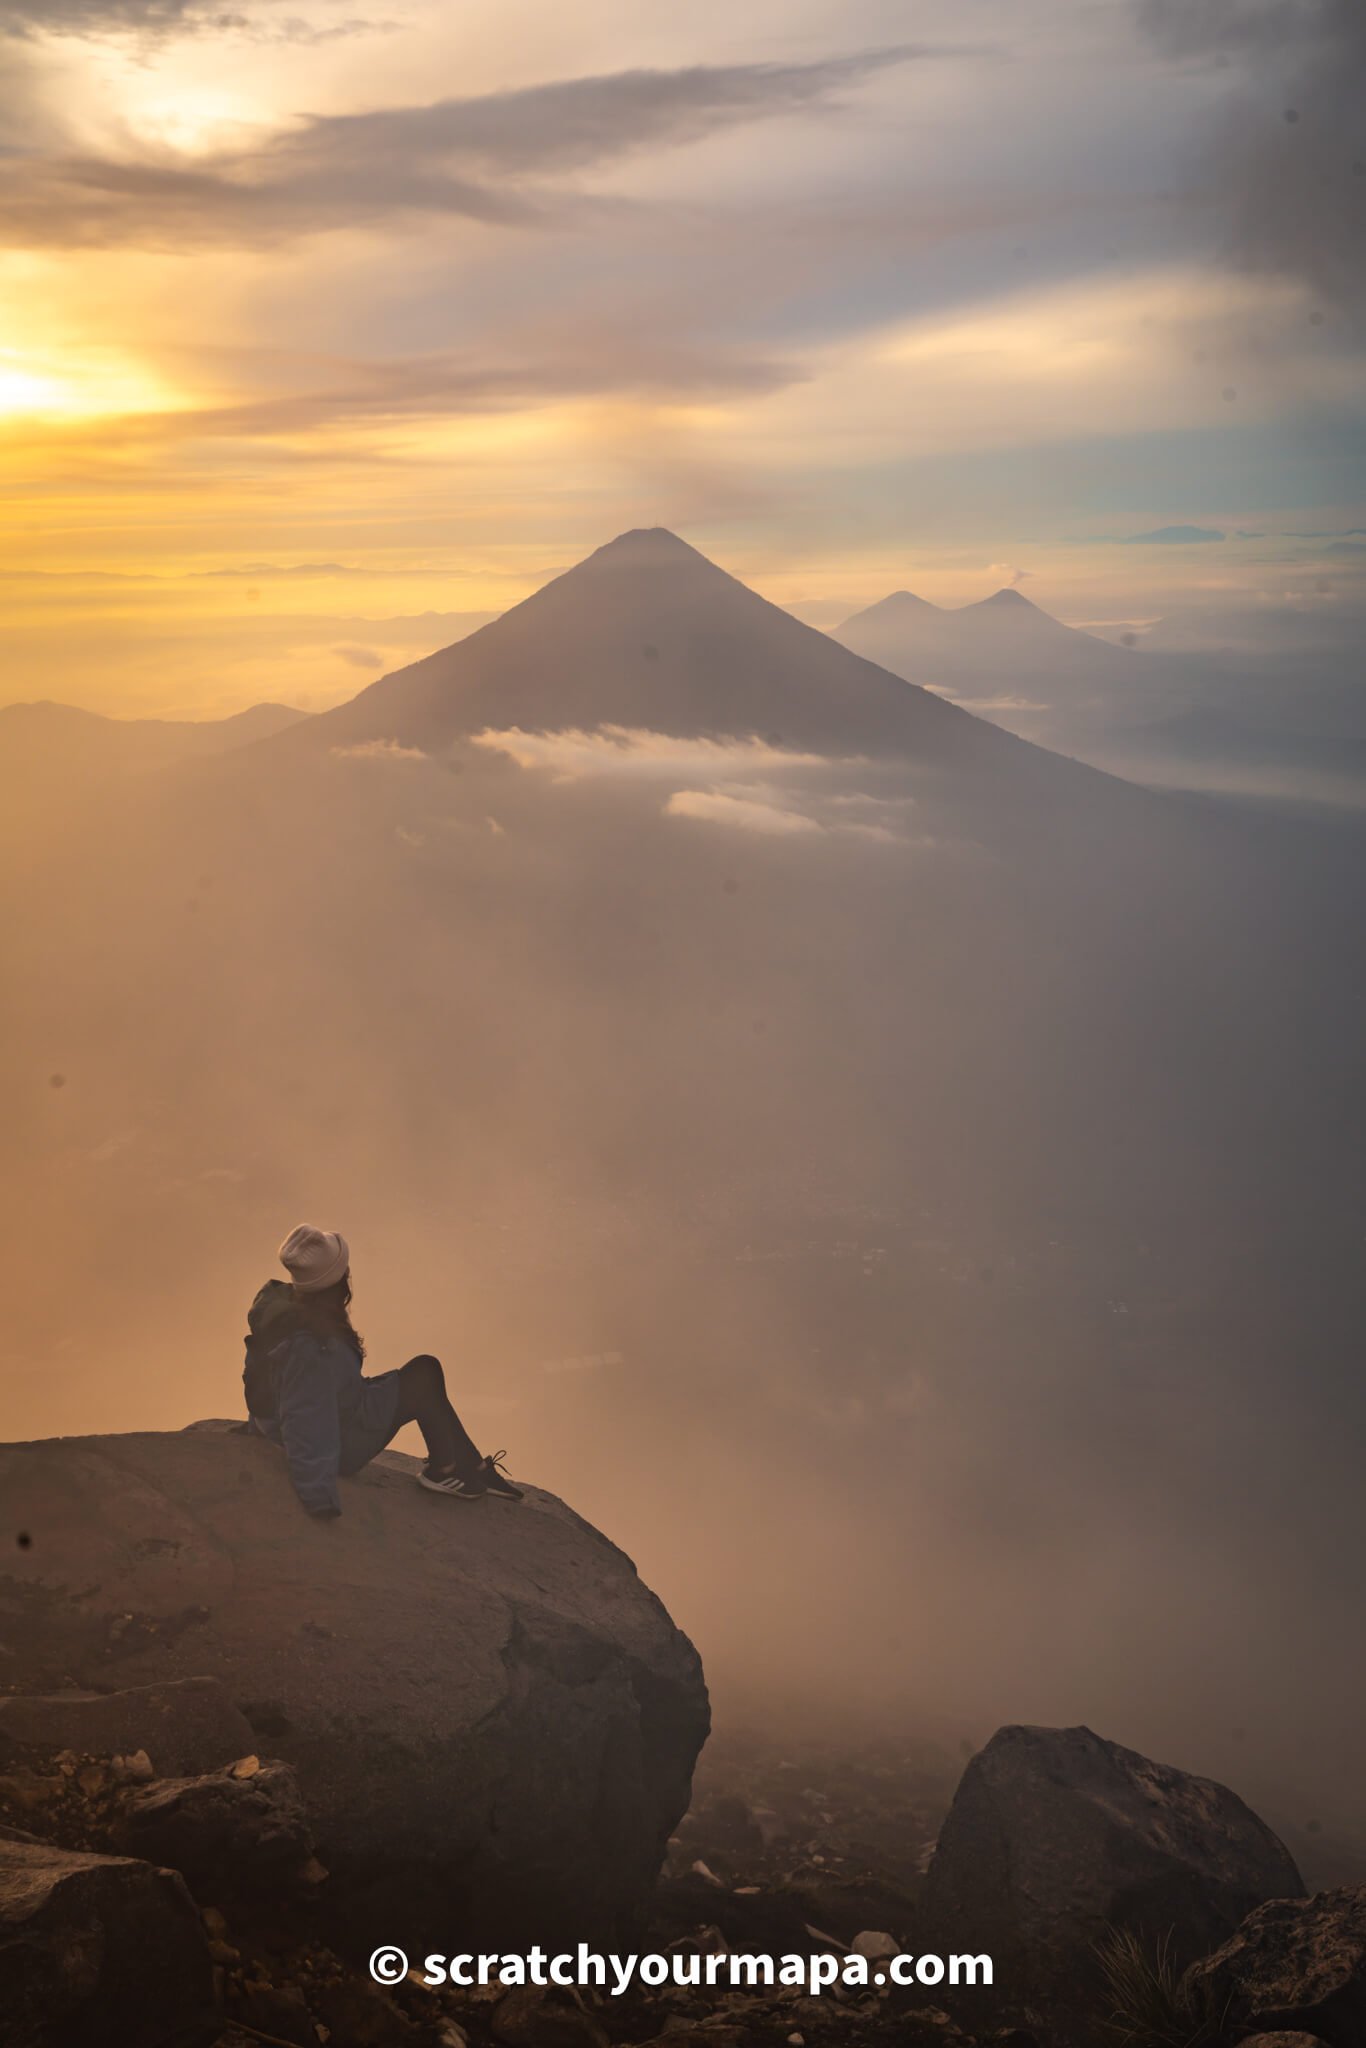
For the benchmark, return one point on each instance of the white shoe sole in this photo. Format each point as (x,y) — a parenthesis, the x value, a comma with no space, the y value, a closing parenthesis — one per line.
(452,1488)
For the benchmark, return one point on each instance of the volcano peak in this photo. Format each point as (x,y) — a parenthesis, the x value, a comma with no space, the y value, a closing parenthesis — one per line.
(644,547)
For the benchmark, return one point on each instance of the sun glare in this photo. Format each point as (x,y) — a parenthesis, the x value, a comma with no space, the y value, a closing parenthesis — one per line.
(85,387)
(185,116)
(26,391)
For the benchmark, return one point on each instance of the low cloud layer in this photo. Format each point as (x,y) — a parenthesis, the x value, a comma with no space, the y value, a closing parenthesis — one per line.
(619,750)
(739,785)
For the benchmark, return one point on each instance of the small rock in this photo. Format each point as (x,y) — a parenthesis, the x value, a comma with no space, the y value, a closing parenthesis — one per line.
(1284,2041)
(313,1872)
(449,2035)
(214,1924)
(222,1832)
(245,1767)
(876,1947)
(277,2010)
(25,1789)
(135,1769)
(481,1994)
(796,2041)
(704,1871)
(361,2015)
(532,2017)
(91,1779)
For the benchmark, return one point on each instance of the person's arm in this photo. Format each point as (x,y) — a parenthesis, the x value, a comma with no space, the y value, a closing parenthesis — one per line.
(309,1424)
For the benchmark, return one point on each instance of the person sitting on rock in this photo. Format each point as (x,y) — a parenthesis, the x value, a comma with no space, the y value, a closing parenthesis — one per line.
(306,1391)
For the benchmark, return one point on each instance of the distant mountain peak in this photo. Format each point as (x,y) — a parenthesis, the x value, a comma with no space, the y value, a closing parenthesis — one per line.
(1001,600)
(900,604)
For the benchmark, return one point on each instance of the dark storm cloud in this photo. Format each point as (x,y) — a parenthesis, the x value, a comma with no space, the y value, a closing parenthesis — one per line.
(1288,171)
(457,157)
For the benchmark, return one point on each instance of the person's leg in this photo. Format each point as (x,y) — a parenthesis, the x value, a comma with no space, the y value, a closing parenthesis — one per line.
(416,1392)
(422,1398)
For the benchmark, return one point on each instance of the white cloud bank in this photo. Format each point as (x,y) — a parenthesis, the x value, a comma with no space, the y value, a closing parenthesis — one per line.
(619,750)
(745,785)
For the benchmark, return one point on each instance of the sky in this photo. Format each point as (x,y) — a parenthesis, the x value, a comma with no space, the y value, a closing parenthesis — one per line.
(331,328)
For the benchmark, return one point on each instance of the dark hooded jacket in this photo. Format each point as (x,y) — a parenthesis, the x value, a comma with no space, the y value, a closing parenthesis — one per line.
(306,1392)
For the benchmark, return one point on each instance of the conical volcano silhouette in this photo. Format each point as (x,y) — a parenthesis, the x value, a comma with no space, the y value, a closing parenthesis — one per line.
(646,632)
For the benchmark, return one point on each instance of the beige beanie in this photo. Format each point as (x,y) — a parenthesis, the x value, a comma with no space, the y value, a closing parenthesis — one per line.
(314,1259)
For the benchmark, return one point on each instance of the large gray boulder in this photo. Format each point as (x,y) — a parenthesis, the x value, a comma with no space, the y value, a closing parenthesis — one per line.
(492,1720)
(98,1950)
(1056,1835)
(1297,1964)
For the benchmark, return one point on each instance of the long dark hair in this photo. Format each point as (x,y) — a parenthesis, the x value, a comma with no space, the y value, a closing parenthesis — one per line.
(327,1312)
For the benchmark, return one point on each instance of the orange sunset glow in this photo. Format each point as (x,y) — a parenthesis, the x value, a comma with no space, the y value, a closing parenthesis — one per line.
(682,864)
(325,338)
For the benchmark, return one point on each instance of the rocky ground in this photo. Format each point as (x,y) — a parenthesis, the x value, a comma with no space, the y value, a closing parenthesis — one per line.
(789,1846)
(795,1849)
(237,1753)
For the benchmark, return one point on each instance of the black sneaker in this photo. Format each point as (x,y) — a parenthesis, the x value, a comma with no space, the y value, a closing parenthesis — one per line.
(448,1482)
(495,1480)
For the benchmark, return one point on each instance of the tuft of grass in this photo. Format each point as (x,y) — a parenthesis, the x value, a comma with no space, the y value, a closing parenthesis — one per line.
(1148,2007)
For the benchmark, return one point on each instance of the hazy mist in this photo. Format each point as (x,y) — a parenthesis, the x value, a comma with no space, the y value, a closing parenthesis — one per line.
(903,1186)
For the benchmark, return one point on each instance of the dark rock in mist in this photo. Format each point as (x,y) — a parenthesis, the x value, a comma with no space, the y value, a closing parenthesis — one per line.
(492,1720)
(186,1727)
(98,1950)
(1293,1964)
(1056,1835)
